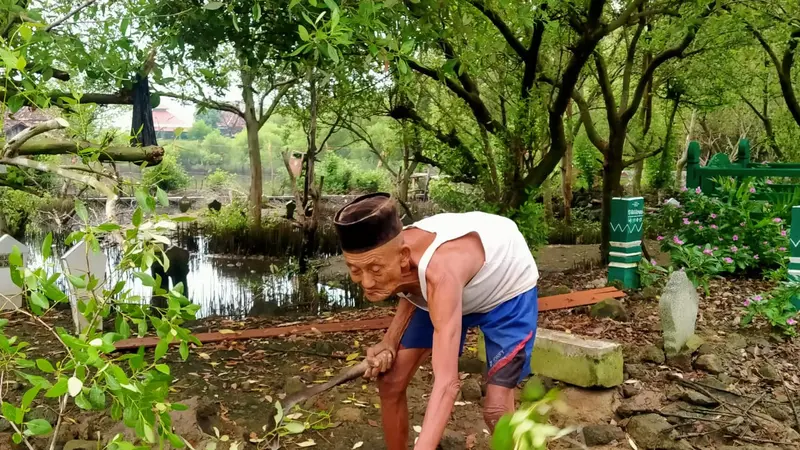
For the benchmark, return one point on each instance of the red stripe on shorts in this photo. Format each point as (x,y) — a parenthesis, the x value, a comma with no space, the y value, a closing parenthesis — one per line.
(509,357)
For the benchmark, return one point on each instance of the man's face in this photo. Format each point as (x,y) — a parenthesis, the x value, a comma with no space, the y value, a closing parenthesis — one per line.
(379,271)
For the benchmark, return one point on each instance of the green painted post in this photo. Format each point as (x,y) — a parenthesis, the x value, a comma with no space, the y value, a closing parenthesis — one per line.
(743,153)
(794,251)
(692,165)
(627,215)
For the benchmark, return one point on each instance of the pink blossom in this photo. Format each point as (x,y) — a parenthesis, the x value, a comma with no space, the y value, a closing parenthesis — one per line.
(677,240)
(684,189)
(757,298)
(653,262)
(791,321)
(700,227)
(713,227)
(660,238)
(777,220)
(735,237)
(728,260)
(716,248)
(783,249)
(698,190)
(752,190)
(734,249)
(708,251)
(783,233)
(741,224)
(769,181)
(697,222)
(713,216)
(746,302)
(685,221)
(755,257)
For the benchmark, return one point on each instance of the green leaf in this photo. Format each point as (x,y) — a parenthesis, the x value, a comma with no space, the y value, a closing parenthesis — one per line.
(278,412)
(82,402)
(38,427)
(147,280)
(303,33)
(15,257)
(109,227)
(179,407)
(123,26)
(9,411)
(257,11)
(141,199)
(29,395)
(403,66)
(213,6)
(59,389)
(80,210)
(178,132)
(163,368)
(333,54)
(184,350)
(503,437)
(162,197)
(47,246)
(25,31)
(407,46)
(175,440)
(161,348)
(97,397)
(295,427)
(293,3)
(45,366)
(39,300)
(17,438)
(78,282)
(137,217)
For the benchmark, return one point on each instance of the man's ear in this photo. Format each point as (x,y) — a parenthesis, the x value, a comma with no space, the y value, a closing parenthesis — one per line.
(405,256)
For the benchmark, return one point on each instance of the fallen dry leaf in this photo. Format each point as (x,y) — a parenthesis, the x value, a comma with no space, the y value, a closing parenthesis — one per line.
(226,332)
(358,444)
(308,443)
(471,439)
(204,355)
(417,429)
(372,423)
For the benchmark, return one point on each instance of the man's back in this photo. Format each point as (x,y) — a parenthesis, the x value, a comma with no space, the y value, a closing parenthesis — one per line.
(509,268)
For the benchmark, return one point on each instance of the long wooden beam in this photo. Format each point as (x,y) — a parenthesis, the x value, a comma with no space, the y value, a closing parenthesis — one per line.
(571,300)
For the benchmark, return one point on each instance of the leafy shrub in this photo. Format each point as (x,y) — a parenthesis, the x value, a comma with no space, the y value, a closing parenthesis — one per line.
(732,233)
(532,223)
(343,177)
(199,130)
(458,197)
(775,307)
(17,207)
(230,219)
(651,274)
(219,179)
(586,159)
(168,175)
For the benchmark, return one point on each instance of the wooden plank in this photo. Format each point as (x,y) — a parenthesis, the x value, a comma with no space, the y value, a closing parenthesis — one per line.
(571,300)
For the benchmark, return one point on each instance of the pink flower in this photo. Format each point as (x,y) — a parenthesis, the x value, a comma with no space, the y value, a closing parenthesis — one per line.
(783,249)
(685,221)
(677,240)
(752,190)
(697,222)
(746,302)
(734,249)
(757,298)
(769,181)
(783,233)
(684,189)
(713,227)
(660,238)
(791,321)
(653,262)
(713,216)
(777,220)
(741,224)
(700,227)
(728,260)
(698,190)
(735,237)
(755,257)
(708,251)
(716,248)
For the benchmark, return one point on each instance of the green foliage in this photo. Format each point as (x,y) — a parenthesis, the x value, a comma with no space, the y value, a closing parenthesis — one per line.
(168,175)
(230,219)
(344,177)
(775,307)
(199,130)
(531,222)
(17,208)
(651,274)
(527,428)
(458,197)
(731,233)
(90,373)
(220,179)
(586,160)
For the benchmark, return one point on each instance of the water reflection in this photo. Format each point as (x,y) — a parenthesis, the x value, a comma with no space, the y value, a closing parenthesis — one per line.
(230,287)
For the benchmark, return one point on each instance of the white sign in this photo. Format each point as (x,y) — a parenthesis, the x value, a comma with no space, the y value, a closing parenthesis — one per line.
(10,293)
(79,261)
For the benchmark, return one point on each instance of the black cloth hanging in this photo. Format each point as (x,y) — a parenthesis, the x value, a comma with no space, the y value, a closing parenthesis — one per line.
(142,129)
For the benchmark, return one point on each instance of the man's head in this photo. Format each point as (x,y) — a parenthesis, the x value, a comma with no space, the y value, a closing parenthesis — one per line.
(370,234)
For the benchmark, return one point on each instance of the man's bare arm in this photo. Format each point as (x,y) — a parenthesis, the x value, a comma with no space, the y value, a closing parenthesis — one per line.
(405,310)
(380,357)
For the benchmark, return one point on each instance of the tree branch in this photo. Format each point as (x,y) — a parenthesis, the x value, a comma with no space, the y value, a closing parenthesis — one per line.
(44,146)
(641,157)
(623,18)
(264,116)
(606,89)
(501,26)
(68,174)
(12,145)
(588,124)
(206,103)
(629,58)
(66,17)
(531,57)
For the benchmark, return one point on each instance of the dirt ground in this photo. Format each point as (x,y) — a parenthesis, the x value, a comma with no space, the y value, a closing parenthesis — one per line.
(232,385)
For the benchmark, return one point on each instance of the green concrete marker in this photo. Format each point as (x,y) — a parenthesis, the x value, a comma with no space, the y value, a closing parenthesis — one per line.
(627,215)
(794,251)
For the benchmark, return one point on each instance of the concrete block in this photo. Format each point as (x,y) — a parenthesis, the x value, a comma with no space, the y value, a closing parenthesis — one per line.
(577,360)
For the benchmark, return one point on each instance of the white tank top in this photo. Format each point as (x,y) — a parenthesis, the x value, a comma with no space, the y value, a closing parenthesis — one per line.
(508,271)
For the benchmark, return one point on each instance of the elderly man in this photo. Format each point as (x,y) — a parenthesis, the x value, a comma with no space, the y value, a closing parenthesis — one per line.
(451,272)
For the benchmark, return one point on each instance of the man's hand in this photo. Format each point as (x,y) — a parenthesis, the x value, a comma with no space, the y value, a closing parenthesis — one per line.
(380,358)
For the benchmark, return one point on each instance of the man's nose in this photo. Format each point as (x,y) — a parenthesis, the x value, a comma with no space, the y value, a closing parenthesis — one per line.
(367,282)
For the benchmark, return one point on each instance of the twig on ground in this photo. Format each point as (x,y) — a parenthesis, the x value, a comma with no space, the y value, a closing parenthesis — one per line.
(304,352)
(759,441)
(753,403)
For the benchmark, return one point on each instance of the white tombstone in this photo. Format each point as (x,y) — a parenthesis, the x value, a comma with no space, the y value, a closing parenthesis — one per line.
(79,261)
(10,293)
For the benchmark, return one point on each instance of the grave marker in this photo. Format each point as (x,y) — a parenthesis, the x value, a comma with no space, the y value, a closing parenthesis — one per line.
(10,293)
(627,215)
(78,261)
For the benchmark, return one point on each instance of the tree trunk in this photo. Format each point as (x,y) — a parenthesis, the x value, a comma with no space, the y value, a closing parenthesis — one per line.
(547,195)
(612,174)
(646,115)
(310,192)
(682,161)
(254,150)
(566,170)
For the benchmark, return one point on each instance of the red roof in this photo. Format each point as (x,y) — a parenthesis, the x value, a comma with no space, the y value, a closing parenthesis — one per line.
(163,120)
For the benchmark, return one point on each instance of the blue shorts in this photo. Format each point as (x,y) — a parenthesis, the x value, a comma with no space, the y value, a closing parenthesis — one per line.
(509,331)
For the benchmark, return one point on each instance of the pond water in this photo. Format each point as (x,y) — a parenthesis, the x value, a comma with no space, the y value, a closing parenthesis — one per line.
(231,287)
